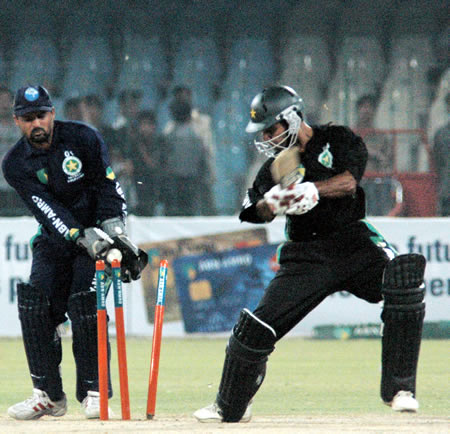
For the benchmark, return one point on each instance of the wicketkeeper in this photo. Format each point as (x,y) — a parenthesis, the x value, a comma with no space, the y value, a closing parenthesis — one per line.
(61,170)
(330,247)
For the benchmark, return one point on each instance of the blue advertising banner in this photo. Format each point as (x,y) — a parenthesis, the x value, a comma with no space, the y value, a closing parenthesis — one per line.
(213,288)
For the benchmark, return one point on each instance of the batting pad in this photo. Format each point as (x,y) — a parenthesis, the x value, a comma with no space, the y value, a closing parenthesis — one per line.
(245,365)
(403,315)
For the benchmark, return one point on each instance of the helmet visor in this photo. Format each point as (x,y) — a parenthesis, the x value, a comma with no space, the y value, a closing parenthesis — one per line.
(285,139)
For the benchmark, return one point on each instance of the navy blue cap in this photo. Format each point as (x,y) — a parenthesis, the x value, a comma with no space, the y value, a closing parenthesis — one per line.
(32,99)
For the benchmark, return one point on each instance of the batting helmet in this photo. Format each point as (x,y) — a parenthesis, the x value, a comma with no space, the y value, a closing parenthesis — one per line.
(275,104)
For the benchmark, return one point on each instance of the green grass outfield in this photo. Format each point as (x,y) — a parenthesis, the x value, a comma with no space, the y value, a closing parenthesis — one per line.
(304,377)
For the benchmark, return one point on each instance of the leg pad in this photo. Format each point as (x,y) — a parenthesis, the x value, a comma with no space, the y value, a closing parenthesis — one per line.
(41,341)
(82,310)
(245,365)
(403,316)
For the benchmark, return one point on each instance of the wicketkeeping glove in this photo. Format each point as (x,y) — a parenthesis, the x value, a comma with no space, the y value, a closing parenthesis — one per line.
(134,259)
(95,242)
(306,197)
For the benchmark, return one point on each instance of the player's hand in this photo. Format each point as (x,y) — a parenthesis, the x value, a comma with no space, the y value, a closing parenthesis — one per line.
(263,210)
(278,199)
(95,242)
(113,226)
(134,259)
(306,197)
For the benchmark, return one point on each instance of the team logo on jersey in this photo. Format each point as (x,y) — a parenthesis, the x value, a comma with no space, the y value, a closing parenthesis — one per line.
(110,174)
(326,157)
(42,176)
(72,168)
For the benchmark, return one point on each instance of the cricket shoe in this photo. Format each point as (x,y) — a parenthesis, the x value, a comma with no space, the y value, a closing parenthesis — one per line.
(404,401)
(211,414)
(37,406)
(91,405)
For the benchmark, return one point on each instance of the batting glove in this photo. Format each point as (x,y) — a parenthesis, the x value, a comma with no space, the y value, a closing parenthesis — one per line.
(278,199)
(306,197)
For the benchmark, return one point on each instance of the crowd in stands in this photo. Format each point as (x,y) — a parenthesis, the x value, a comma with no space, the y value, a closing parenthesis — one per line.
(172,105)
(168,172)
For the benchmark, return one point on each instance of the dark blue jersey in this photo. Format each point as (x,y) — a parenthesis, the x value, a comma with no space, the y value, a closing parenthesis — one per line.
(68,187)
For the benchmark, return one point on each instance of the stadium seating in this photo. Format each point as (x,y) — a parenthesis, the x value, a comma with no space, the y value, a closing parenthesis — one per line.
(35,61)
(314,18)
(89,67)
(228,121)
(360,71)
(438,112)
(143,67)
(197,65)
(305,66)
(384,196)
(245,77)
(3,66)
(330,52)
(405,96)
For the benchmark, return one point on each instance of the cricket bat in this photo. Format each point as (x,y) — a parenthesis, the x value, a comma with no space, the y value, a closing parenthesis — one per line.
(286,168)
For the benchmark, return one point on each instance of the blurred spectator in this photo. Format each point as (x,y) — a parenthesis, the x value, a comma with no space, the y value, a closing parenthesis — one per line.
(130,101)
(441,161)
(10,203)
(150,162)
(187,169)
(380,150)
(201,124)
(91,109)
(72,109)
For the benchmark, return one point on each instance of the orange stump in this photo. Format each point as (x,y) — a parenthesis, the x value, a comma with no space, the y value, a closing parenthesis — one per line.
(121,340)
(102,340)
(157,335)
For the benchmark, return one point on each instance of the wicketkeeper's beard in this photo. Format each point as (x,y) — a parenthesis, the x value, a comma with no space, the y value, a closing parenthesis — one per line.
(38,135)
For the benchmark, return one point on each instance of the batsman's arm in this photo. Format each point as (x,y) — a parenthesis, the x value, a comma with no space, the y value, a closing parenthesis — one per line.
(340,185)
(254,208)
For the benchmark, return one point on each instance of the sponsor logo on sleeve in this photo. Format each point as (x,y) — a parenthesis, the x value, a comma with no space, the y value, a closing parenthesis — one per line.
(47,210)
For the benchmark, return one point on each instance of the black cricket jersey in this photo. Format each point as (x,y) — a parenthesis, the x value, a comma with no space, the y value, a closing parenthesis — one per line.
(69,186)
(331,151)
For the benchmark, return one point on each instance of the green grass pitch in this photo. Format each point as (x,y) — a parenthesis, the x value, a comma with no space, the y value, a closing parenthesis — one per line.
(304,377)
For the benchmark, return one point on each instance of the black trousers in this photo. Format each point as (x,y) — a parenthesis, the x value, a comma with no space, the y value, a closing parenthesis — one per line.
(350,260)
(60,272)
(66,276)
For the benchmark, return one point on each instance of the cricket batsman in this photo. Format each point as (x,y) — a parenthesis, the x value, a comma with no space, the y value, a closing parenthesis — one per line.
(330,247)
